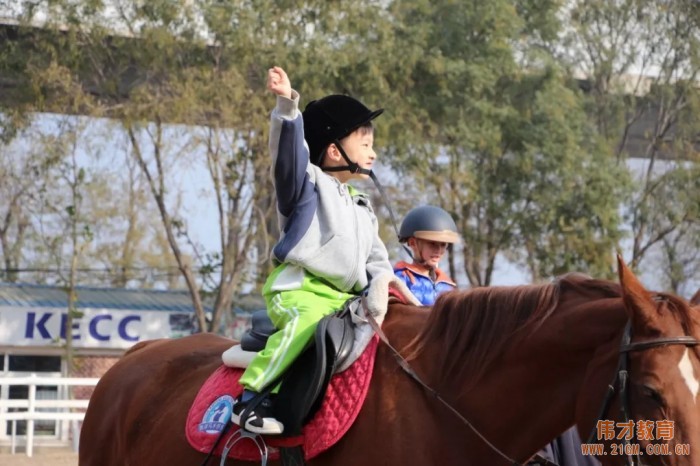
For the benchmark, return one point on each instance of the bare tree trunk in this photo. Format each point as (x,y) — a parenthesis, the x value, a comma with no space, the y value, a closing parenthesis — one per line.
(12,250)
(157,185)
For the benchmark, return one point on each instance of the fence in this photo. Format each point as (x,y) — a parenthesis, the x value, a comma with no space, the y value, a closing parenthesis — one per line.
(33,409)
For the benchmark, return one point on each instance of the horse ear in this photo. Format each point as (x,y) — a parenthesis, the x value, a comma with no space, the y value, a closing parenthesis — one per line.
(638,301)
(695,300)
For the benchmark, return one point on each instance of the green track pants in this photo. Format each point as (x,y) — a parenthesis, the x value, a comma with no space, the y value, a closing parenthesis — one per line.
(295,313)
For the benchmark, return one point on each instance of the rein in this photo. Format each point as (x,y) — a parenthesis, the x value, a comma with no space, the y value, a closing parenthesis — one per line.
(621,381)
(411,373)
(622,378)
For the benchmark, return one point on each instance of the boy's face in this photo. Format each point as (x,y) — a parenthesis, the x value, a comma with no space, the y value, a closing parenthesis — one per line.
(427,252)
(359,148)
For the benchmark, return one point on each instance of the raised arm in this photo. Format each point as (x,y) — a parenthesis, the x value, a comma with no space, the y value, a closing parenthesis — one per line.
(290,157)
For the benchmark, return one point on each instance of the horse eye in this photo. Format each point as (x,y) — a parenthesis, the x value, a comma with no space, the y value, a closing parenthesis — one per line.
(653,394)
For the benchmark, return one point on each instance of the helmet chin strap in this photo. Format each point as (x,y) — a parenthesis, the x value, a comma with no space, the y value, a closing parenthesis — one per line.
(422,262)
(351,167)
(419,260)
(408,251)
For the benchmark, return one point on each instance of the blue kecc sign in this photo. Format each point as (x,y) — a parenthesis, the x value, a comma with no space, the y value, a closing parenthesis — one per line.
(96,328)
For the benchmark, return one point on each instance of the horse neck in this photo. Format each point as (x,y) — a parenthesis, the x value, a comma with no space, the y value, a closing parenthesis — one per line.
(535,382)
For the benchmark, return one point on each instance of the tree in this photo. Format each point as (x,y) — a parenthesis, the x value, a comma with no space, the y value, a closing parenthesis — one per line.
(22,175)
(195,95)
(221,96)
(129,241)
(484,117)
(65,213)
(640,61)
(507,148)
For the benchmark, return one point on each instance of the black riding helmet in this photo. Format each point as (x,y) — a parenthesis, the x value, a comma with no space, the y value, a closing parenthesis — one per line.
(330,119)
(430,223)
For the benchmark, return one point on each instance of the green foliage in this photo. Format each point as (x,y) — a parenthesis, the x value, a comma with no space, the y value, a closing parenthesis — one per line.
(641,58)
(509,149)
(486,115)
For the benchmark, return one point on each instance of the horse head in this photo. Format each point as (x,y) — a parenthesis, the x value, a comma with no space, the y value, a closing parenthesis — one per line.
(543,356)
(652,416)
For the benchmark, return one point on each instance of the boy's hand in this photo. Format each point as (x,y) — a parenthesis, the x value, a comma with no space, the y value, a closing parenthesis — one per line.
(278,82)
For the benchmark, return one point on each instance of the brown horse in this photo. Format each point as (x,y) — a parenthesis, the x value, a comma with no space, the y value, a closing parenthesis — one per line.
(519,364)
(695,300)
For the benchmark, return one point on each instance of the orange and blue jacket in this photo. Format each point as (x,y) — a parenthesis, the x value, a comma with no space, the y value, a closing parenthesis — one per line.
(421,285)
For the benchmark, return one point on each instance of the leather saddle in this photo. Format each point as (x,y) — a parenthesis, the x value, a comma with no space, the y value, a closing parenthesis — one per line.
(303,385)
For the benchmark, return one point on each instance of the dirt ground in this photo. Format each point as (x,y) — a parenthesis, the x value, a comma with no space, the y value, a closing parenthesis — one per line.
(44,457)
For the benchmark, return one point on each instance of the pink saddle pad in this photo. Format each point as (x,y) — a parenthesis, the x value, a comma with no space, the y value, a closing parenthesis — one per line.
(344,397)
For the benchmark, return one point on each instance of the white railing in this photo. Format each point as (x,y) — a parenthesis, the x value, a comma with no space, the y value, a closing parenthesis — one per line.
(31,409)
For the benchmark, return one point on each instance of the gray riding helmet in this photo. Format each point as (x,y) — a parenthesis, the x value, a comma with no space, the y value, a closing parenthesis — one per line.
(430,223)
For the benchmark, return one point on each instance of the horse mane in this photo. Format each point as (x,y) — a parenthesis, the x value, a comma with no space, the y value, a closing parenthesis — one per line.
(680,308)
(471,328)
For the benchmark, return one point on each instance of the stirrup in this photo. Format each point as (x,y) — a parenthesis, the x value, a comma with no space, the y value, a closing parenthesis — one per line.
(239,435)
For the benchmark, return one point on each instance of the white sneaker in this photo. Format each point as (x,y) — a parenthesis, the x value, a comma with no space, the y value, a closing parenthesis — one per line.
(259,421)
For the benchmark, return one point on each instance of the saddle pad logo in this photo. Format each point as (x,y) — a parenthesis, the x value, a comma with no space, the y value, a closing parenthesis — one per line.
(217,415)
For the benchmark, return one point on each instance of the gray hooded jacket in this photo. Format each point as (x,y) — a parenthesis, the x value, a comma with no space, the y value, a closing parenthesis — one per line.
(327,227)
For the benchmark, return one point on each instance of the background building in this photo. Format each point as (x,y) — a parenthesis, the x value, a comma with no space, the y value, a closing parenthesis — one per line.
(32,336)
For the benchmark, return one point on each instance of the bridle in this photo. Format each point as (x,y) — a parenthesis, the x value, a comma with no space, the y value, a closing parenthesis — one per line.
(621,379)
(620,383)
